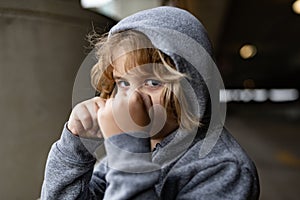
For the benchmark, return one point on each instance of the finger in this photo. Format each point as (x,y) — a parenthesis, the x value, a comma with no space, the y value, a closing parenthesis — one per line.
(92,108)
(100,102)
(94,133)
(138,110)
(136,98)
(85,117)
(146,100)
(103,109)
(76,128)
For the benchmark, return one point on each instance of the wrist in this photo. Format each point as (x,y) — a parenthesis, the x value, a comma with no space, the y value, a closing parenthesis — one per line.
(71,129)
(129,153)
(75,148)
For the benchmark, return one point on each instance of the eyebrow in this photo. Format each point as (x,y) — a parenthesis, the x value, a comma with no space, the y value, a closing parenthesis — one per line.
(117,77)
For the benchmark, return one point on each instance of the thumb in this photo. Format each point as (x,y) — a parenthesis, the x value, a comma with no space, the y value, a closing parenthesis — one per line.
(100,102)
(147,101)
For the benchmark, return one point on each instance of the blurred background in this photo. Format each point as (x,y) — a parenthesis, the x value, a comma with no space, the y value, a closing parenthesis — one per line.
(257,46)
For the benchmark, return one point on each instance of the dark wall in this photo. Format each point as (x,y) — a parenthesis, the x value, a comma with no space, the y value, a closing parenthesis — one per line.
(42,46)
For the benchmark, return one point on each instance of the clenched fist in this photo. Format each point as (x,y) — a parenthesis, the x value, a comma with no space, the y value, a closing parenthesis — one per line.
(98,117)
(83,120)
(125,114)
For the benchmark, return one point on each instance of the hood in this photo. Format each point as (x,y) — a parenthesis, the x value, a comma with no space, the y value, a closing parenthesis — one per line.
(181,36)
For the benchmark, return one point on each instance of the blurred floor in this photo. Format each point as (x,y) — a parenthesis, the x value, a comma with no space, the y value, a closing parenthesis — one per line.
(270,133)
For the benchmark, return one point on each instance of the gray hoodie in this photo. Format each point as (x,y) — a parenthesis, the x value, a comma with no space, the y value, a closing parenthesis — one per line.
(206,163)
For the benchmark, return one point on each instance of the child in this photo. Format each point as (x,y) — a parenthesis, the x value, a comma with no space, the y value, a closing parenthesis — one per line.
(155,112)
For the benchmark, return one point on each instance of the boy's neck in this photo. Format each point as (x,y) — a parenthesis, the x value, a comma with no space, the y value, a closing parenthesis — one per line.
(167,129)
(154,142)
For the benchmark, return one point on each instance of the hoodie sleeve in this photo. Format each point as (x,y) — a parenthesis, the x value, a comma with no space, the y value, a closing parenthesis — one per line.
(132,174)
(70,173)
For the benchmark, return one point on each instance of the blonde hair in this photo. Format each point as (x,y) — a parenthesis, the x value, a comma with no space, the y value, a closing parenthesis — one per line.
(139,50)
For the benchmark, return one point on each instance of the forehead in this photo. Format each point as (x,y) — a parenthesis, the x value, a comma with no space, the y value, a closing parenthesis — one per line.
(128,65)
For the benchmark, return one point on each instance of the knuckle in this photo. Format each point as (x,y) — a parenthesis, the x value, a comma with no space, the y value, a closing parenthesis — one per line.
(86,118)
(87,121)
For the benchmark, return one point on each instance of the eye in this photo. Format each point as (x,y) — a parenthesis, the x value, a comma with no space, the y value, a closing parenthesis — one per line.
(153,83)
(122,84)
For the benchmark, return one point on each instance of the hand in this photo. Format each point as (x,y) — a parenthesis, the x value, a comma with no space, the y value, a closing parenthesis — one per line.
(121,114)
(83,118)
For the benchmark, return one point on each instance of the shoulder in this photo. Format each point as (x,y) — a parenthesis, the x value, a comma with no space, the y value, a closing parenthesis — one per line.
(226,171)
(226,156)
(224,149)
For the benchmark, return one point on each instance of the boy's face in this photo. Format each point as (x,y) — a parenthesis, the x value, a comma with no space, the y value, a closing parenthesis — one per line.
(133,80)
(142,80)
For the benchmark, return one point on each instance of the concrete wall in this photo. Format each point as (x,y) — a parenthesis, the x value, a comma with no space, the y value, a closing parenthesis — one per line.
(41,47)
